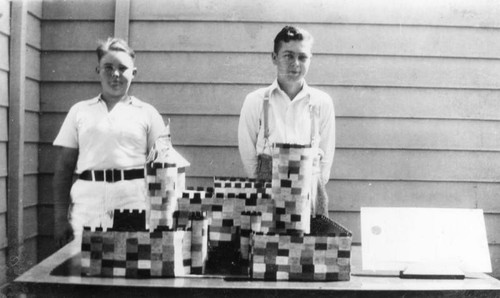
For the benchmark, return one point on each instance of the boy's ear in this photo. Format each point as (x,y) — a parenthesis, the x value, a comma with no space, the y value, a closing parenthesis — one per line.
(97,69)
(274,57)
(134,72)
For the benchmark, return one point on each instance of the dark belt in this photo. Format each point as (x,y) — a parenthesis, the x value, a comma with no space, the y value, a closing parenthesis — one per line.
(111,175)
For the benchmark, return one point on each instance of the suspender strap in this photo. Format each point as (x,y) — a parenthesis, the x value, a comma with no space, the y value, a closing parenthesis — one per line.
(314,111)
(266,115)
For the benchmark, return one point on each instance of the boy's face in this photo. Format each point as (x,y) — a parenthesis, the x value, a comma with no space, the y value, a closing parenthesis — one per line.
(292,61)
(116,71)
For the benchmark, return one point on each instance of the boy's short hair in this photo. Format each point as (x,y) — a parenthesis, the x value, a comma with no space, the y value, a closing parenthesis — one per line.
(289,33)
(114,44)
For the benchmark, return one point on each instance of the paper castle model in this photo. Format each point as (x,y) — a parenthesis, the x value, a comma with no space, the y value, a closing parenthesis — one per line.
(264,228)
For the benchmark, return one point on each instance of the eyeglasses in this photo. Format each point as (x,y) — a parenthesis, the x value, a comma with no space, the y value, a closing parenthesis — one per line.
(111,70)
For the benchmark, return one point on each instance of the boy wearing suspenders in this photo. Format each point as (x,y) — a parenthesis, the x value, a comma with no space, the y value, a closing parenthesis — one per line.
(288,111)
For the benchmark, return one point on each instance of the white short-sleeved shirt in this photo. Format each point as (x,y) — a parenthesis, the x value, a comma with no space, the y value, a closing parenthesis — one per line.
(289,122)
(116,139)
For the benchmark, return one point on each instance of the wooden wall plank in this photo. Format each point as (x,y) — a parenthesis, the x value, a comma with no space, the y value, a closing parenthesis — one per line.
(3,194)
(495,259)
(32,127)
(46,227)
(57,96)
(226,99)
(211,99)
(366,164)
(31,225)
(349,164)
(354,39)
(4,124)
(32,95)
(30,159)
(351,195)
(30,192)
(415,102)
(417,134)
(373,133)
(30,253)
(3,159)
(74,35)
(416,165)
(46,246)
(5,17)
(3,230)
(3,264)
(33,34)
(426,12)
(258,69)
(492,222)
(79,10)
(33,60)
(257,37)
(35,8)
(122,19)
(4,91)
(45,189)
(4,52)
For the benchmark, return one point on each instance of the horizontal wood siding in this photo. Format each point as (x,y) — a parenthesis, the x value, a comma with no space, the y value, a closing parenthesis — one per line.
(29,136)
(257,68)
(481,13)
(415,88)
(361,133)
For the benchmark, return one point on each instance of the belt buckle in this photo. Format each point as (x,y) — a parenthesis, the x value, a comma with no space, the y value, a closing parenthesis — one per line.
(108,176)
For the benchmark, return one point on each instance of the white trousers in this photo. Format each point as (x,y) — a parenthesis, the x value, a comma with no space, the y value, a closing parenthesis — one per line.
(93,203)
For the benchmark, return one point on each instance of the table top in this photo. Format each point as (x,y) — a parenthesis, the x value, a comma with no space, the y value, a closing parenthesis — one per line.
(48,276)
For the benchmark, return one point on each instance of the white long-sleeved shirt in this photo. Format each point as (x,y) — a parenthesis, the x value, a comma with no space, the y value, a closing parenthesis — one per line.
(289,122)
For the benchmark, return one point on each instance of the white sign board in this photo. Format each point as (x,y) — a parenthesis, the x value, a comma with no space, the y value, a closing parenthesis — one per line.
(396,238)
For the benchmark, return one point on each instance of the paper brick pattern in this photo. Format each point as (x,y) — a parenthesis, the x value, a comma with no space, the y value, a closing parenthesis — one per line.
(300,258)
(144,254)
(291,187)
(247,195)
(162,180)
(250,222)
(193,200)
(199,240)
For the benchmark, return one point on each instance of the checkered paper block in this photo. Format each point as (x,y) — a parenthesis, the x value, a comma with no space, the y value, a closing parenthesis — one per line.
(162,253)
(199,243)
(291,187)
(165,183)
(300,258)
(192,201)
(250,222)
(249,195)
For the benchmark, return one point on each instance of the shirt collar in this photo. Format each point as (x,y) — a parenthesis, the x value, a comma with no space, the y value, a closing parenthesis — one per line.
(132,100)
(306,90)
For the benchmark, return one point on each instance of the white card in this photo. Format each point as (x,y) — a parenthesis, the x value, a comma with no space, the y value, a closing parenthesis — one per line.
(395,238)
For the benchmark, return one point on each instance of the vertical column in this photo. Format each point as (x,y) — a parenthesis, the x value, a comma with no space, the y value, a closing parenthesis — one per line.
(17,80)
(122,19)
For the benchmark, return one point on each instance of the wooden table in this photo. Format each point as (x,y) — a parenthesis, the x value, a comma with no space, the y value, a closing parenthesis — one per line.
(59,275)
